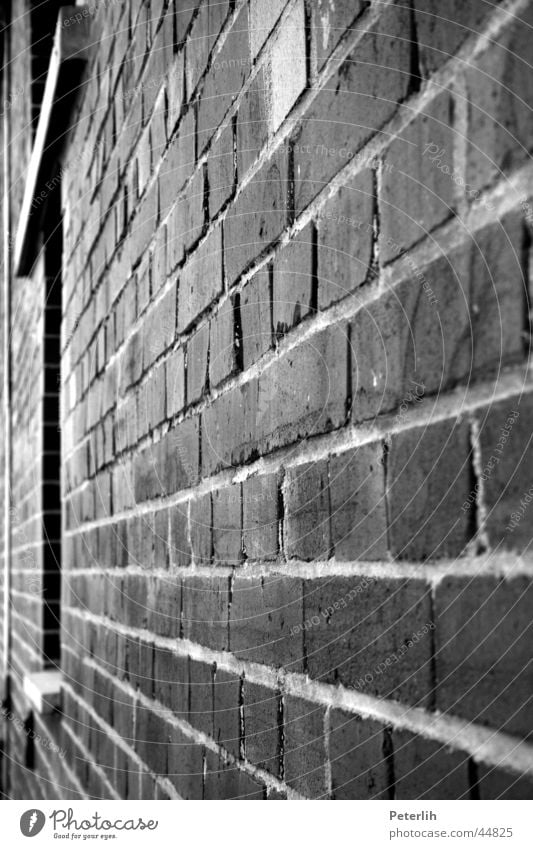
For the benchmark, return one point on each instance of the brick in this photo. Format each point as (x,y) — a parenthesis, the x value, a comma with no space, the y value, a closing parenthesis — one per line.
(294,294)
(287,71)
(186,227)
(227,525)
(498,303)
(171,683)
(359,767)
(305,756)
(175,376)
(428,478)
(228,428)
(494,783)
(345,239)
(201,280)
(257,217)
(498,130)
(264,614)
(413,183)
(328,137)
(482,651)
(372,635)
(504,438)
(224,79)
(262,727)
(226,781)
(256,318)
(200,529)
(443,25)
(197,364)
(198,49)
(151,737)
(416,340)
(306,528)
(201,677)
(183,16)
(185,765)
(178,162)
(427,770)
(260,517)
(226,711)
(330,22)
(262,20)
(222,360)
(221,171)
(252,123)
(205,612)
(357,495)
(304,393)
(179,548)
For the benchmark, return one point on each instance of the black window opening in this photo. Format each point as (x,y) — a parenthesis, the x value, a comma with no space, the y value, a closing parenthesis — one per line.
(43,20)
(51,462)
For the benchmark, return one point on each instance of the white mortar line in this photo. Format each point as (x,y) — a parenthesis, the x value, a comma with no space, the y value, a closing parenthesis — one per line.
(488,745)
(430,410)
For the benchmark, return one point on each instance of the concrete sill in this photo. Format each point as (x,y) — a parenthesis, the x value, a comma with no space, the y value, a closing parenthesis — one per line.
(43,689)
(69,57)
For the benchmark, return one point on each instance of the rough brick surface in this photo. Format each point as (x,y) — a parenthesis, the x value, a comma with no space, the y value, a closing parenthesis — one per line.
(270,444)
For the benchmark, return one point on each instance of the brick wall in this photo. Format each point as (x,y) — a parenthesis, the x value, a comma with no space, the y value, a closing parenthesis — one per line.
(295,406)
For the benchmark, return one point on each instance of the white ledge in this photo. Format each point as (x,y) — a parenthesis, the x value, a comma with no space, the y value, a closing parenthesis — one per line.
(69,56)
(43,689)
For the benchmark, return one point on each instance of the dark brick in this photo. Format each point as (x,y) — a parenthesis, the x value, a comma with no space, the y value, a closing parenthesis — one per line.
(263,614)
(358,514)
(494,783)
(256,318)
(305,392)
(179,548)
(252,123)
(498,295)
(416,194)
(224,79)
(429,478)
(226,712)
(185,765)
(222,361)
(443,25)
(206,611)
(345,238)
(201,280)
(500,88)
(227,781)
(197,364)
(359,768)
(201,529)
(293,282)
(261,724)
(227,525)
(372,635)
(306,528)
(221,171)
(329,137)
(331,21)
(258,216)
(483,651)
(201,677)
(151,739)
(305,756)
(171,681)
(427,770)
(506,451)
(260,517)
